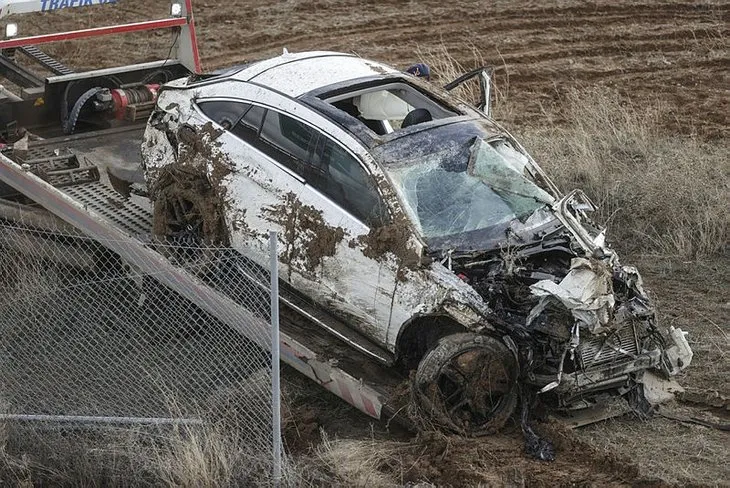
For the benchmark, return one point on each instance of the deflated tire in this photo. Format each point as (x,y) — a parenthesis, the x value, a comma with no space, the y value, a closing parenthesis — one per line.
(467,384)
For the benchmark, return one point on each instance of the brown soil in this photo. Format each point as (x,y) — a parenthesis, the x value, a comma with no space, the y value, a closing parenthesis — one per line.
(671,52)
(443,460)
(391,238)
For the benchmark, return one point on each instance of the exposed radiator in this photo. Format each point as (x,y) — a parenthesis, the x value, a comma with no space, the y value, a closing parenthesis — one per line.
(617,347)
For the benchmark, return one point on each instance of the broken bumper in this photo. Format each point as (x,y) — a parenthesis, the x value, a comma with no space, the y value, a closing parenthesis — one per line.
(580,383)
(676,356)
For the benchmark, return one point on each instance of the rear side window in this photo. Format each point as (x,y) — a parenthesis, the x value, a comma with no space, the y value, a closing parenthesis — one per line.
(321,162)
(287,134)
(250,124)
(288,141)
(223,112)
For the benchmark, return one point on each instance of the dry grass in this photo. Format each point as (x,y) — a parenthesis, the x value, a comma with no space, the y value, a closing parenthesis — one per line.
(219,458)
(679,453)
(351,462)
(658,193)
(174,457)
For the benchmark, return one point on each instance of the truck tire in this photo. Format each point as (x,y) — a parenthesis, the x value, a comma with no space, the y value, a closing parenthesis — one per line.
(467,383)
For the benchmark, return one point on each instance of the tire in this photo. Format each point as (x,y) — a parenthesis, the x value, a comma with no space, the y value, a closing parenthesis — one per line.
(188,209)
(467,384)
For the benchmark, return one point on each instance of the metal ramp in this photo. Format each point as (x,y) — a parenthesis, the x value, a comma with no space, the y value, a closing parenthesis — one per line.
(123,226)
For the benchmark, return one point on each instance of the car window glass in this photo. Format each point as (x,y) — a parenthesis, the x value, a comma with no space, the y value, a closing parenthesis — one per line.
(393,106)
(287,135)
(249,125)
(224,112)
(346,182)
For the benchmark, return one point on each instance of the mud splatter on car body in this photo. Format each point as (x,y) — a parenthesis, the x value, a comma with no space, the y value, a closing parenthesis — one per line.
(306,236)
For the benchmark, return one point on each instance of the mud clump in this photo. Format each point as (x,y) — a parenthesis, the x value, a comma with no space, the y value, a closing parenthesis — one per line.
(201,141)
(307,238)
(392,238)
(188,200)
(200,149)
(185,200)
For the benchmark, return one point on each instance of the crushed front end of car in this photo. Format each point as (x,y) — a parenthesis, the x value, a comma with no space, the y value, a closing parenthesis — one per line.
(579,323)
(582,323)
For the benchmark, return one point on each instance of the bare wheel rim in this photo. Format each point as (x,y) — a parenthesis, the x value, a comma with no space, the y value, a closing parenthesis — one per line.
(467,384)
(184,220)
(471,387)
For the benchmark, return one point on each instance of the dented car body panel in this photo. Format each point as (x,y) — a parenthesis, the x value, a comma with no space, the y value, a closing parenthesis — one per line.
(393,225)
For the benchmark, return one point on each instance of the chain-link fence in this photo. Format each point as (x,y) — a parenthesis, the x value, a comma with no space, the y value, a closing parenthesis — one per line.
(105,374)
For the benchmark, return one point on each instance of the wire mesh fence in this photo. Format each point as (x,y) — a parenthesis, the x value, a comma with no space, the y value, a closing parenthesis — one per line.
(103,365)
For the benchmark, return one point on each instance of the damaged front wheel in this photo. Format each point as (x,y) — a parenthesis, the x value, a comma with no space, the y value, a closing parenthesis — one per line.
(467,384)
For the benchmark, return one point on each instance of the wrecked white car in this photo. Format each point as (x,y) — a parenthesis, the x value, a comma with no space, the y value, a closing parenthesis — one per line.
(416,220)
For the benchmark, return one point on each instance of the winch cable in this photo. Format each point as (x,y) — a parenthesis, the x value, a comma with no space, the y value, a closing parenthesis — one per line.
(166,76)
(69,124)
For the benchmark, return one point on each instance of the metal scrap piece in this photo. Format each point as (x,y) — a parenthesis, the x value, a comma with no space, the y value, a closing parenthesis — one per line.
(586,291)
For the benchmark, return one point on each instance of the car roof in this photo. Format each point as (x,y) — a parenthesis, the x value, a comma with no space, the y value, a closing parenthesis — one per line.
(295,74)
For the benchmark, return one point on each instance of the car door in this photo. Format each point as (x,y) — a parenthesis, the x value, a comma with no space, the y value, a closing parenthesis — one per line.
(484,75)
(357,285)
(324,225)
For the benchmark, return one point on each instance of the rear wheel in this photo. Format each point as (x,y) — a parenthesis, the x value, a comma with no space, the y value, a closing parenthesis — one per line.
(188,214)
(187,208)
(467,384)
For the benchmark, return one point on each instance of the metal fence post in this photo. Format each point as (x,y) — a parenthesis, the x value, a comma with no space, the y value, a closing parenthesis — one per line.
(275,386)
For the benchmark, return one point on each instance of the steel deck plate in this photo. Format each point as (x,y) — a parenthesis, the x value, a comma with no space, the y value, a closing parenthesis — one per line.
(133,217)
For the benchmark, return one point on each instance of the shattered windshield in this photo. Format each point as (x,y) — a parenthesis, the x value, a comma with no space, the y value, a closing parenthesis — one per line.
(453,192)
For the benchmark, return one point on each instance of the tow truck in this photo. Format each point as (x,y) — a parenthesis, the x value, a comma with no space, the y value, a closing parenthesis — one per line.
(70,138)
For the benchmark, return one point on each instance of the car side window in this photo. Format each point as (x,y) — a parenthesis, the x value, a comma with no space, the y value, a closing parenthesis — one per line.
(224,112)
(346,182)
(322,163)
(250,124)
(288,141)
